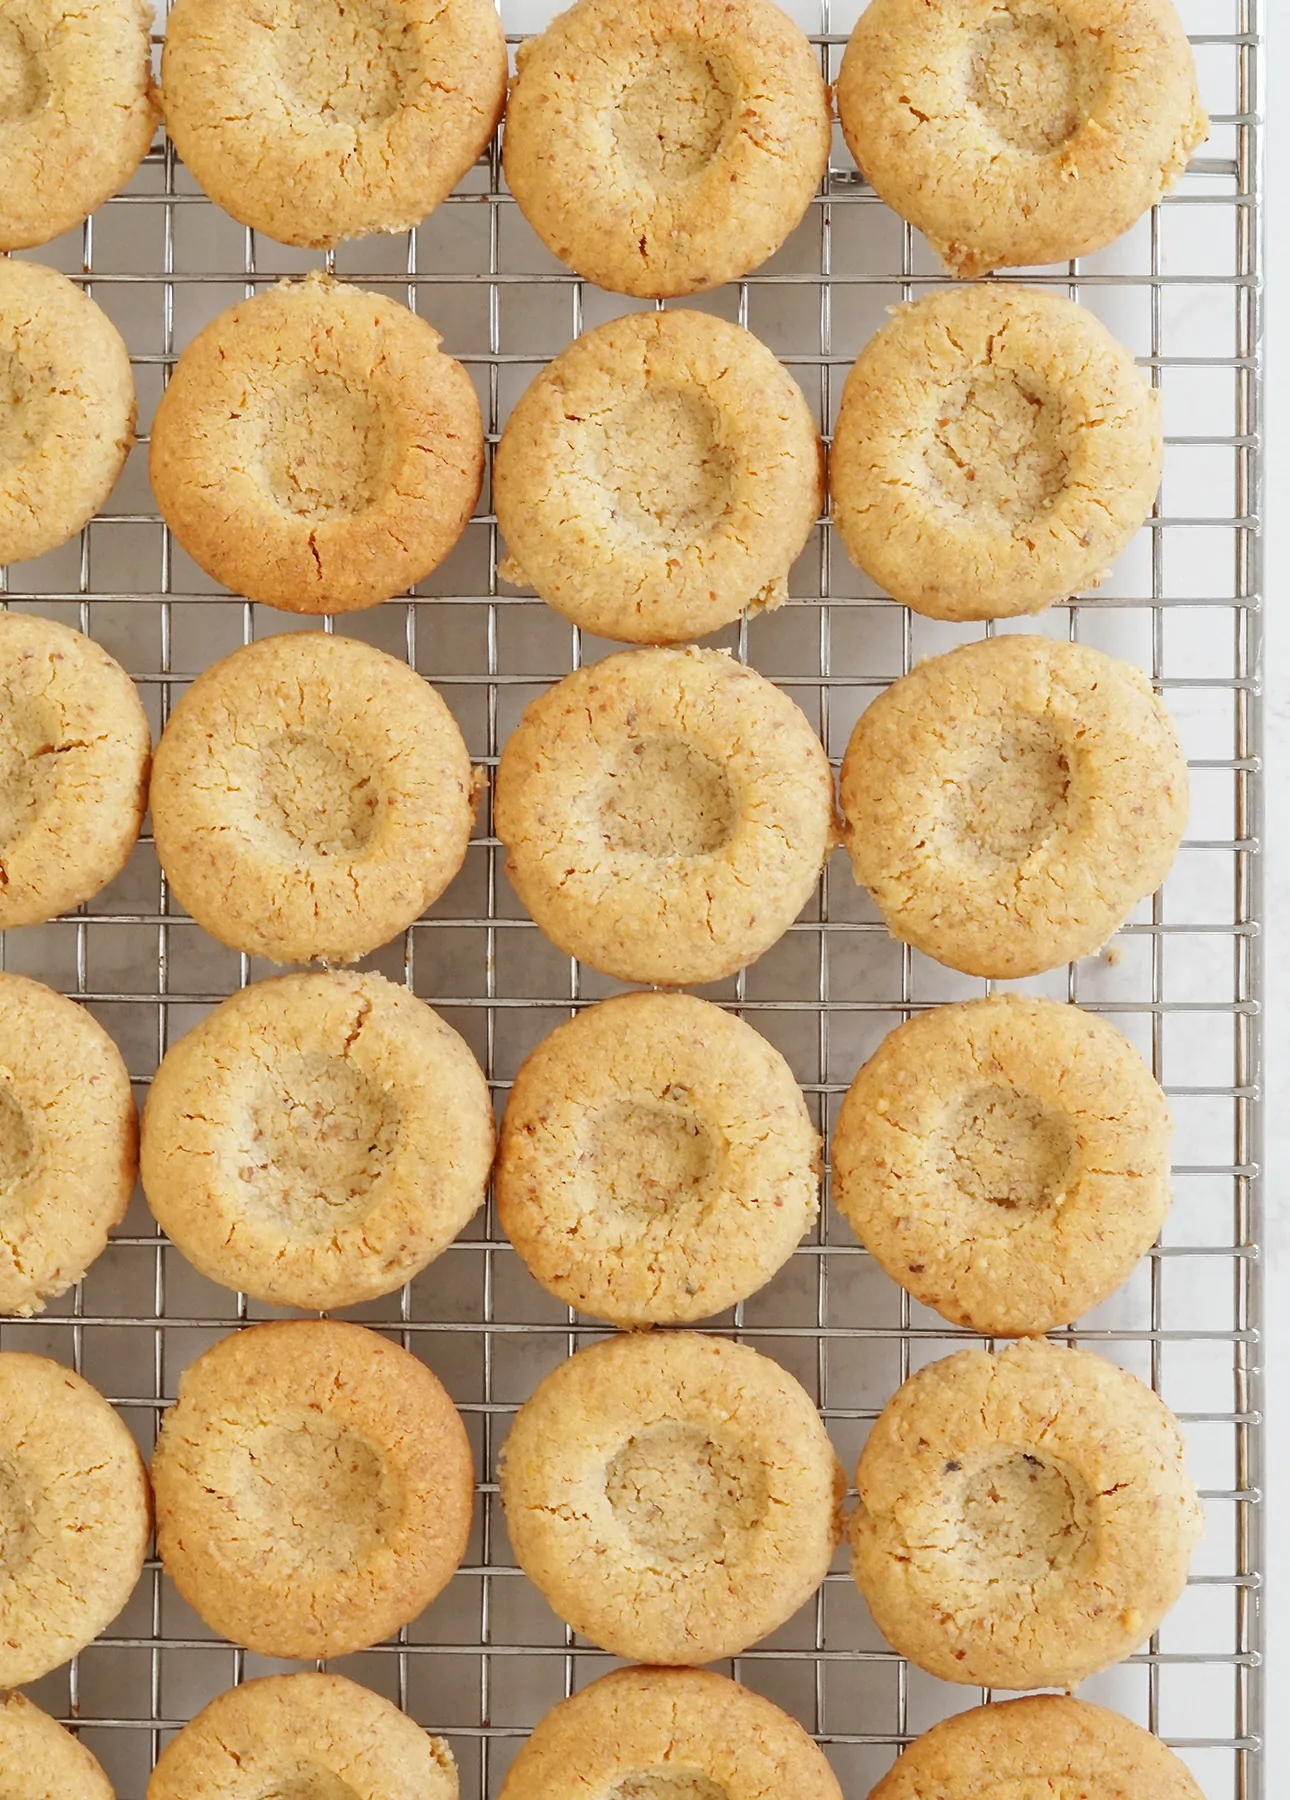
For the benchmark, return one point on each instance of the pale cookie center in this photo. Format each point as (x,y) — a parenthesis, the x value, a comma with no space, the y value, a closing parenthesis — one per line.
(315,797)
(1023,1520)
(663,797)
(311,1782)
(24,405)
(680,1494)
(17,1527)
(352,62)
(649,1158)
(325,448)
(1004,1148)
(1033,80)
(320,1136)
(29,733)
(1012,798)
(668,1784)
(17,1143)
(998,447)
(662,460)
(24,83)
(321,1494)
(675,113)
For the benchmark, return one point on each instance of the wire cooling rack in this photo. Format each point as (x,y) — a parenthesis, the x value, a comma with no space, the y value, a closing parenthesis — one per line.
(1182,979)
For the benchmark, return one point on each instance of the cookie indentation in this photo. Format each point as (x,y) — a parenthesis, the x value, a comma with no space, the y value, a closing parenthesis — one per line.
(28,766)
(1023,1520)
(322,1493)
(1006,1148)
(17,1535)
(668,474)
(681,1494)
(352,62)
(1032,81)
(1011,801)
(327,449)
(17,1144)
(998,446)
(651,1158)
(675,113)
(322,1135)
(669,1784)
(22,417)
(24,82)
(313,1783)
(316,797)
(663,797)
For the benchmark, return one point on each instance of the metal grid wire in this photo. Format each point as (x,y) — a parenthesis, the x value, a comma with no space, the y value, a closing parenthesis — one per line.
(1182,979)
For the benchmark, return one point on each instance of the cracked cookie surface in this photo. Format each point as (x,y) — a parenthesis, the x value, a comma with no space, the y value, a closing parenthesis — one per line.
(657,1161)
(67,408)
(74,1515)
(303,1737)
(317,1140)
(659,477)
(315,449)
(660,147)
(674,1497)
(77,111)
(68,1142)
(666,814)
(995,451)
(668,1734)
(319,120)
(1017,132)
(74,749)
(1043,1747)
(49,1762)
(1005,1160)
(311,797)
(1009,803)
(314,1488)
(1025,1519)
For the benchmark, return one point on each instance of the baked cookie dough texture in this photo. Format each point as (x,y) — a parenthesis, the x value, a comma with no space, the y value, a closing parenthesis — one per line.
(310,1733)
(1008,804)
(315,449)
(77,111)
(311,797)
(657,1162)
(666,814)
(68,1143)
(660,147)
(1024,1520)
(995,451)
(67,403)
(1005,1160)
(683,1732)
(318,120)
(674,1497)
(74,1516)
(74,752)
(1045,1745)
(314,1488)
(1020,132)
(51,1763)
(659,477)
(317,1140)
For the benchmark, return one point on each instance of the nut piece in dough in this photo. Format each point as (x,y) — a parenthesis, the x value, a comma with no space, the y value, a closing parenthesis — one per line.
(74,1516)
(314,1488)
(315,449)
(74,751)
(319,120)
(1048,1745)
(995,452)
(1016,132)
(50,1762)
(68,1143)
(658,1163)
(660,147)
(317,1139)
(667,814)
(668,1734)
(1025,1519)
(659,477)
(1008,804)
(67,403)
(303,1737)
(311,797)
(1005,1160)
(77,111)
(674,1497)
